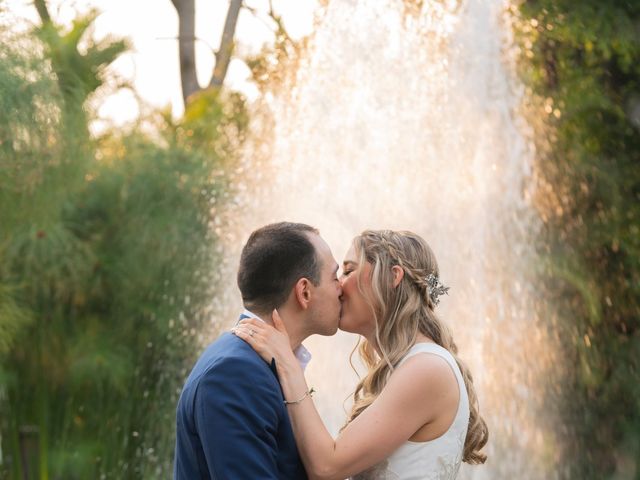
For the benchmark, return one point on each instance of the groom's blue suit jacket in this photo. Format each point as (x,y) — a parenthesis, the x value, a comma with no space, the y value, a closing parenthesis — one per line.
(231,420)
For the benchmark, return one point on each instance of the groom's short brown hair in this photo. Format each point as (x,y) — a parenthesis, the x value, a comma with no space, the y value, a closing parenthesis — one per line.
(274,258)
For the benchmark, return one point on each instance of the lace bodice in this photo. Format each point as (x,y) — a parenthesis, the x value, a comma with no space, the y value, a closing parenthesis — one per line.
(437,459)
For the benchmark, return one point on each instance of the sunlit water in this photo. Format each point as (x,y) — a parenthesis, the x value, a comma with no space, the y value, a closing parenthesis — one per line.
(403,115)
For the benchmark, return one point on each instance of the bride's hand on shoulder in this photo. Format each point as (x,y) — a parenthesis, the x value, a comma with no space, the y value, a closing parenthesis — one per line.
(269,342)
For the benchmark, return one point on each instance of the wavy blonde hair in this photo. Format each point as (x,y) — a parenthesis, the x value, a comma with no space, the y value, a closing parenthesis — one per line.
(400,313)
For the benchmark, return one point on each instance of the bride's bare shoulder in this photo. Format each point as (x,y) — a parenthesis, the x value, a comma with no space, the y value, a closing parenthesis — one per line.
(426,368)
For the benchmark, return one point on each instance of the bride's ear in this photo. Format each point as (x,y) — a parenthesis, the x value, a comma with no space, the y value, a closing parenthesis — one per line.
(398,275)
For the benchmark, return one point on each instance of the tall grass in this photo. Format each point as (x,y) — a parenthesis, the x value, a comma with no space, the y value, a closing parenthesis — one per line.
(107,266)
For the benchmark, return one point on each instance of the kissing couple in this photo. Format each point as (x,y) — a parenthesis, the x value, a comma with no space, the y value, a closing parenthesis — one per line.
(246,411)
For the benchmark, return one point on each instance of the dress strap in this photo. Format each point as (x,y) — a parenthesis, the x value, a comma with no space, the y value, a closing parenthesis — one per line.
(428,347)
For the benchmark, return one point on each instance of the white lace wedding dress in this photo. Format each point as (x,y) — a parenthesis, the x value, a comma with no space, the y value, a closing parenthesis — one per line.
(437,459)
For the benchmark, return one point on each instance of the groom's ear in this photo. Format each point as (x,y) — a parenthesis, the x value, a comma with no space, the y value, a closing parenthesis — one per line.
(302,292)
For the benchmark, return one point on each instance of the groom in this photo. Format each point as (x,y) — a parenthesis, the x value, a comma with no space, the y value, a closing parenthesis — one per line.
(232,422)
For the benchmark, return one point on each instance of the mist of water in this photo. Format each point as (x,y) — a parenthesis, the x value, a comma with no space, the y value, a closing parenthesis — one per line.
(403,115)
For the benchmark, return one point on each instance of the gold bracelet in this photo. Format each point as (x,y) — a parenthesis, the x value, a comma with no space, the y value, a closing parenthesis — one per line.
(308,393)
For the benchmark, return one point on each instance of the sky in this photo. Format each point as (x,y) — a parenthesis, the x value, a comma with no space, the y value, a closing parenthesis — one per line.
(152,27)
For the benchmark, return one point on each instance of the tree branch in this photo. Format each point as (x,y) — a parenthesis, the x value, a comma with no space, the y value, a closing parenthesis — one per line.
(43,11)
(276,19)
(223,57)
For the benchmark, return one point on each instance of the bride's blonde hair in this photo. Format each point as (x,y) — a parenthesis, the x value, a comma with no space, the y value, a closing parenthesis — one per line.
(401,313)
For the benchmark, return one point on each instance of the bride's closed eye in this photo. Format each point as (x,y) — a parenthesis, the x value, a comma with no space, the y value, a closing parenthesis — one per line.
(348,267)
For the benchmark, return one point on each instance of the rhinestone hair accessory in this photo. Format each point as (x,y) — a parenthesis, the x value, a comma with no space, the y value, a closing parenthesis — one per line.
(435,288)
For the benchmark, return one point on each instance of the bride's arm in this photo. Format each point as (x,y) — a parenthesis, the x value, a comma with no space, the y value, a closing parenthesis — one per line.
(409,400)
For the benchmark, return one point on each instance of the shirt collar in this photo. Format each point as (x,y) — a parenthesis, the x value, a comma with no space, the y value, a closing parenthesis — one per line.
(302,354)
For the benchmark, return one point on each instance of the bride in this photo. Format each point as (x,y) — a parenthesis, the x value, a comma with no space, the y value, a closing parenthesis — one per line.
(415,413)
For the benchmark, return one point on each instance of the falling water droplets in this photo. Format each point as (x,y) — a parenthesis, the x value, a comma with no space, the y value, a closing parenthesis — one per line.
(405,120)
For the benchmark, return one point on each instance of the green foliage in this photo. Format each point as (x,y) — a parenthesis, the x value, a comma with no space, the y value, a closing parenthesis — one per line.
(107,266)
(13,319)
(582,62)
(79,73)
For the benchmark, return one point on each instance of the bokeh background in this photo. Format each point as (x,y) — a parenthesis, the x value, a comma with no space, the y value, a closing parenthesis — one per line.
(141,142)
